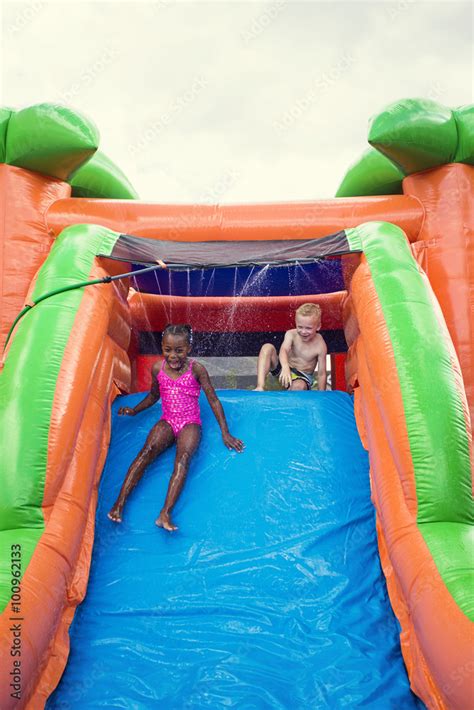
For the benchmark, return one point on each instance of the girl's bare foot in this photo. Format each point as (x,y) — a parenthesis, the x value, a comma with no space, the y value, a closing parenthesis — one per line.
(164,521)
(258,389)
(115,514)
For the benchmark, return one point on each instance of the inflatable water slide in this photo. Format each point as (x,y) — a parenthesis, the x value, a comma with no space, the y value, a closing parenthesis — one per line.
(271,593)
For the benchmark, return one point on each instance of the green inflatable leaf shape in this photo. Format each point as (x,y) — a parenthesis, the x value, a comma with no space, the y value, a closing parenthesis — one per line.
(50,139)
(371,174)
(416,134)
(100,177)
(464,116)
(5,114)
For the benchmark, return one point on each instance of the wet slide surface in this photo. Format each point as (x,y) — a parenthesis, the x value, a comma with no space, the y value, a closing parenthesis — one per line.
(270,594)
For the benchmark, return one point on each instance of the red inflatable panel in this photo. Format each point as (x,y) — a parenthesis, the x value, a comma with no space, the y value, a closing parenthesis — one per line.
(151,312)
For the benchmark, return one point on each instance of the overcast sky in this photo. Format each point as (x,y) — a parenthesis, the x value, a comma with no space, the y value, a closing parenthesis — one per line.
(235,101)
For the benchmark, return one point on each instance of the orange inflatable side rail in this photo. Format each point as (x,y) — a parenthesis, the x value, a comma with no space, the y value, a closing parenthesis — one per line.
(436,634)
(349,319)
(98,315)
(93,369)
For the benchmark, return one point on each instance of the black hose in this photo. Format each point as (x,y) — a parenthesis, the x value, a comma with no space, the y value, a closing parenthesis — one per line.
(80,284)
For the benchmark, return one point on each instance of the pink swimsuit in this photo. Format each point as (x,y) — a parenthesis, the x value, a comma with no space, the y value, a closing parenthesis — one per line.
(180,399)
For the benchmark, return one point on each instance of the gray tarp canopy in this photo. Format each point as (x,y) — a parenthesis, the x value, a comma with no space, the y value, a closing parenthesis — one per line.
(198,255)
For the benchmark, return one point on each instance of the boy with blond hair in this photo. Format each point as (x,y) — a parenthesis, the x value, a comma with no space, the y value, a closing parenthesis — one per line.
(303,349)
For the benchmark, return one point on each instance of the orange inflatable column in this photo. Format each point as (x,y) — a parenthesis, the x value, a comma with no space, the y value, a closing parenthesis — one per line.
(25,240)
(447,195)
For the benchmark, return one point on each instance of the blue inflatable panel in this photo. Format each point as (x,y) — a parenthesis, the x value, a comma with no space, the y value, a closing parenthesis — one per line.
(322,276)
(269,596)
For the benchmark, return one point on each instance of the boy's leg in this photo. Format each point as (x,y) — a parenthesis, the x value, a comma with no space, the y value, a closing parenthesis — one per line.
(299,385)
(186,444)
(158,440)
(267,360)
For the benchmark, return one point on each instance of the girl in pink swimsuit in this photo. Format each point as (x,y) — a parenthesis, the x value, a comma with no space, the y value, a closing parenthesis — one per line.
(178,381)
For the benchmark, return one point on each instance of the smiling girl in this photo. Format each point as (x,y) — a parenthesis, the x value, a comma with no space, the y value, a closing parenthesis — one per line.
(178,381)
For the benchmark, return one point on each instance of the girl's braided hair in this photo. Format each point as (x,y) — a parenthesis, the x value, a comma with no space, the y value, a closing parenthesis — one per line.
(185,330)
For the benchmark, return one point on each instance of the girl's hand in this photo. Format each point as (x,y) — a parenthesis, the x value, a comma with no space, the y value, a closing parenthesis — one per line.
(232,443)
(127,410)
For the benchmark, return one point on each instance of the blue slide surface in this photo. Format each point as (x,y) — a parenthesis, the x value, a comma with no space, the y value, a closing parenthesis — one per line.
(269,596)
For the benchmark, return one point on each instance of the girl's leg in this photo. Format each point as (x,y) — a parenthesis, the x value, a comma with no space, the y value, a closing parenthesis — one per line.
(186,444)
(267,360)
(158,440)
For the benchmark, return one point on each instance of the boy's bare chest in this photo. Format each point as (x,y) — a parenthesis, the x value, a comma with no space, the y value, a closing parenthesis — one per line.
(308,351)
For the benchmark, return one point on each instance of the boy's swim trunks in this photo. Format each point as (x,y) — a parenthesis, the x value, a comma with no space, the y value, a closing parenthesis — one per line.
(295,375)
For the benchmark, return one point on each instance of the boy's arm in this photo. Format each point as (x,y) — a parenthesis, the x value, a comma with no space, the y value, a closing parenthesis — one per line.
(152,396)
(202,376)
(322,374)
(285,374)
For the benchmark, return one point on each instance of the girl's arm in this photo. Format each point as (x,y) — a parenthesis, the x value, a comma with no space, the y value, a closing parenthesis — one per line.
(152,396)
(202,376)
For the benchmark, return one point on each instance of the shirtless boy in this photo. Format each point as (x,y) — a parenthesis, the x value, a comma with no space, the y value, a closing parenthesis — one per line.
(303,349)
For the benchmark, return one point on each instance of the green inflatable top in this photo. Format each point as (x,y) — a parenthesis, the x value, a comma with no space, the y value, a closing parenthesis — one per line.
(407,137)
(62,143)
